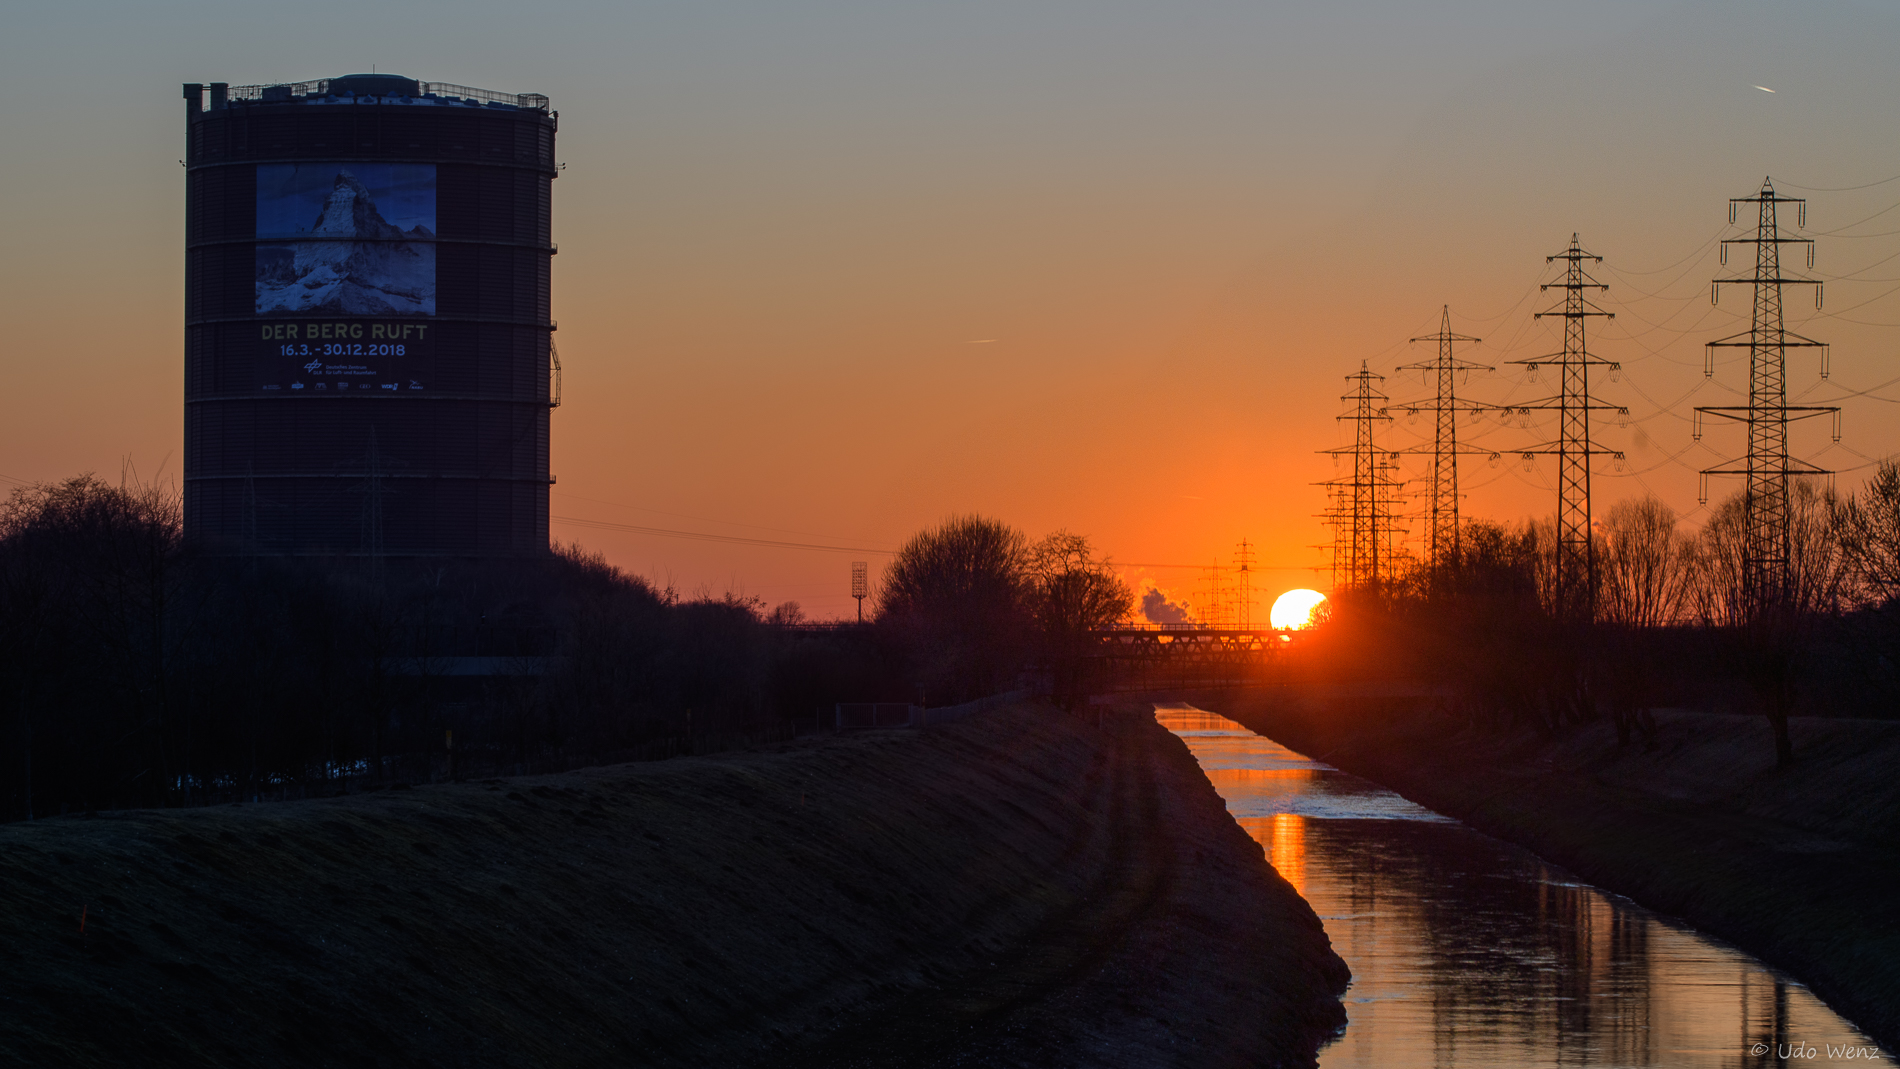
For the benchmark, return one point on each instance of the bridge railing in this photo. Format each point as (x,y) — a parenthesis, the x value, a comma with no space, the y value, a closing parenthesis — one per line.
(1130,658)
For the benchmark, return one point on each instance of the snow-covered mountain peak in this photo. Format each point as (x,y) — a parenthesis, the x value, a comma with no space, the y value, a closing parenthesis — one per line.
(350,213)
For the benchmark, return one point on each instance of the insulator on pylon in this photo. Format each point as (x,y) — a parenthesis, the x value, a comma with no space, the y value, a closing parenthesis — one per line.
(1826,351)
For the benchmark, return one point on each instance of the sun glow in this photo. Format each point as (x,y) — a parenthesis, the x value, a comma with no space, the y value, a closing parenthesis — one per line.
(1295,608)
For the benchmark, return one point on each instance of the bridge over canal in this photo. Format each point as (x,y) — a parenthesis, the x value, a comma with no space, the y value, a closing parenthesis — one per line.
(1149,658)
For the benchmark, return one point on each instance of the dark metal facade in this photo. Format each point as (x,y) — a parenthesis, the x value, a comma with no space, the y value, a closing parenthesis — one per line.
(429,435)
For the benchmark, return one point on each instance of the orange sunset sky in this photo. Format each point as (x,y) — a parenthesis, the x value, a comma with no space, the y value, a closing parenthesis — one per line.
(830,271)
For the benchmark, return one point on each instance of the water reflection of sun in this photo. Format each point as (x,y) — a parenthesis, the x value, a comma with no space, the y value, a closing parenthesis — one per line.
(1288,852)
(1284,836)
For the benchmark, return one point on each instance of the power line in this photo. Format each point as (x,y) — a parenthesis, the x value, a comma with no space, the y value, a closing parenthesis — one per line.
(1837,231)
(1875,234)
(1863,304)
(1842,189)
(1699,250)
(702,519)
(702,536)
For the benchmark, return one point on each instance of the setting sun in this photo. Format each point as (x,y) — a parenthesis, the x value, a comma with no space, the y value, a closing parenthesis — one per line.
(1295,608)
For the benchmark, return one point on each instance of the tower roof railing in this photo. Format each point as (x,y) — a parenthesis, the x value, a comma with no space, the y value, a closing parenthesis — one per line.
(320,87)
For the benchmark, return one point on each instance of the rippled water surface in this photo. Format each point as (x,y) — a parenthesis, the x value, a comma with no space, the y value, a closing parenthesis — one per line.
(1468,952)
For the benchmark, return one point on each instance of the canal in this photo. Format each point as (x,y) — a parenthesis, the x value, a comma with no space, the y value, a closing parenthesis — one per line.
(1470,952)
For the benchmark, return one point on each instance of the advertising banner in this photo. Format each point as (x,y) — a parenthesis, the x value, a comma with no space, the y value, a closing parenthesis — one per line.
(345,286)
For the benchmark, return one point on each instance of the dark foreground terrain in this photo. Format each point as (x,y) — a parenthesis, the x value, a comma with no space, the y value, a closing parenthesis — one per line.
(1798,866)
(1021,888)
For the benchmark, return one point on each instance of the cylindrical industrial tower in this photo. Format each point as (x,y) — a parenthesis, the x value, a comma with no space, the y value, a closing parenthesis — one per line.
(369,361)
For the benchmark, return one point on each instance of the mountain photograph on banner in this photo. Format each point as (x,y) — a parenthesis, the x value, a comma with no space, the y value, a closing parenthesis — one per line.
(354,239)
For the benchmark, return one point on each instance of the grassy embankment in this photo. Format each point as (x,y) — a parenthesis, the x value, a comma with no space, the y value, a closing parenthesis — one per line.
(1800,867)
(1022,887)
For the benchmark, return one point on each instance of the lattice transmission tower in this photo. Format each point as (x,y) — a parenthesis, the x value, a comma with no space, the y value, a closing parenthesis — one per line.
(1768,413)
(1574,587)
(1442,538)
(1361,510)
(1243,585)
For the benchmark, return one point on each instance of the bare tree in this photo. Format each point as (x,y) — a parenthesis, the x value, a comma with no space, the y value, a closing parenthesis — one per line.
(111,553)
(1644,568)
(1773,636)
(1867,526)
(26,645)
(1072,595)
(786,614)
(958,596)
(1715,587)
(1643,565)
(1817,567)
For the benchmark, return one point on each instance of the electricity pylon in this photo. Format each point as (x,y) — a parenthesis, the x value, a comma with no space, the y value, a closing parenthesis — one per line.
(1765,502)
(1443,538)
(1338,516)
(1215,610)
(1574,593)
(1362,506)
(1243,564)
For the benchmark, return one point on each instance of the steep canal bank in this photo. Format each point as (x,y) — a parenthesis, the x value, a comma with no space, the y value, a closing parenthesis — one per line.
(1468,951)
(1798,867)
(1023,887)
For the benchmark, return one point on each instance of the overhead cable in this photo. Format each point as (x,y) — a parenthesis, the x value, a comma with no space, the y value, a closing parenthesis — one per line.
(703,536)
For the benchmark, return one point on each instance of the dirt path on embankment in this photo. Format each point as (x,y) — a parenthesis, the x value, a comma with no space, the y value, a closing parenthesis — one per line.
(1022,888)
(1800,867)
